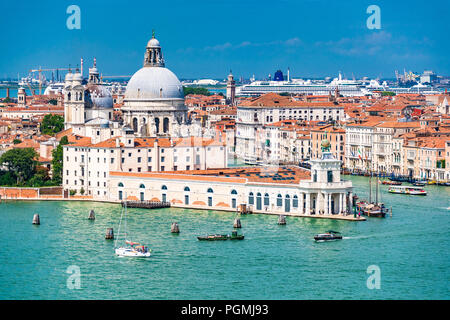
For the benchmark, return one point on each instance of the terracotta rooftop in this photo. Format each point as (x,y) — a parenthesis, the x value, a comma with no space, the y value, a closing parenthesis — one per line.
(277,175)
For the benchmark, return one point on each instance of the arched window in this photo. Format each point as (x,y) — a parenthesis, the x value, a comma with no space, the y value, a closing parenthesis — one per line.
(157,125)
(135,124)
(233,191)
(295,202)
(279,200)
(210,190)
(120,184)
(164,187)
(266,199)
(187,189)
(142,186)
(166,125)
(251,198)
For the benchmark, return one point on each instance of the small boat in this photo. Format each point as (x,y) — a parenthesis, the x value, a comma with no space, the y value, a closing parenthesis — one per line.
(134,252)
(328,236)
(419,183)
(130,248)
(417,191)
(218,237)
(432,182)
(372,209)
(392,183)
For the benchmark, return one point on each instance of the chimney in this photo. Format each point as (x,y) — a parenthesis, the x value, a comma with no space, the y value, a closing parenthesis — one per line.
(7,92)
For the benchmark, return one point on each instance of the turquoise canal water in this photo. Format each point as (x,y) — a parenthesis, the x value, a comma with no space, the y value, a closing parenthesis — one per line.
(273,262)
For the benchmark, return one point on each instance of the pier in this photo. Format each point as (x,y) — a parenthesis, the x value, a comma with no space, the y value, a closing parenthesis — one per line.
(146,204)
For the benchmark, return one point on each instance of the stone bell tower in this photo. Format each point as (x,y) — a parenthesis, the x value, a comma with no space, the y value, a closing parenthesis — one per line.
(231,90)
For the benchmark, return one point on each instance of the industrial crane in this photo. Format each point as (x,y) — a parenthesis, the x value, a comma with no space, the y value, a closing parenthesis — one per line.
(40,70)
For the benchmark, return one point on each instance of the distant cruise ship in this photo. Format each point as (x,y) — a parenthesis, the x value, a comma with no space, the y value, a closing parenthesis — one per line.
(319,87)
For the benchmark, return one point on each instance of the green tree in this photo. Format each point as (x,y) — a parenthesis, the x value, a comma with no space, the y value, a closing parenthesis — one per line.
(17,141)
(57,161)
(387,93)
(51,124)
(192,90)
(21,162)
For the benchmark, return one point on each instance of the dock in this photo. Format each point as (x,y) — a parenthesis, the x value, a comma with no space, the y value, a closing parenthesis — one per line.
(146,204)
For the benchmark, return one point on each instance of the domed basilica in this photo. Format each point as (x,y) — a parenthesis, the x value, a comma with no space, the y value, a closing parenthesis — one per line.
(154,99)
(153,103)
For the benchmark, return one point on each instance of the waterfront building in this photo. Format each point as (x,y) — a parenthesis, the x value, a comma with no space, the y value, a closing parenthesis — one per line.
(282,142)
(386,154)
(270,108)
(278,190)
(87,165)
(359,145)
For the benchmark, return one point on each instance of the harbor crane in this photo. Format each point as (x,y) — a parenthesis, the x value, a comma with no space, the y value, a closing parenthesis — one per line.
(40,75)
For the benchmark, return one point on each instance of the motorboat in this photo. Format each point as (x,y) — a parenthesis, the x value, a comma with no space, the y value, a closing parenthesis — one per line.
(217,237)
(419,183)
(417,191)
(328,236)
(392,183)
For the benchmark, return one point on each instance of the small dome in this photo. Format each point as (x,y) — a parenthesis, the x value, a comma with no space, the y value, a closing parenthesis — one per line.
(69,77)
(154,83)
(153,43)
(77,77)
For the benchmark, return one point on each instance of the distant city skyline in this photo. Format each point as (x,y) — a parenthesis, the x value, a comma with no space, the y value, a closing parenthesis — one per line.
(205,39)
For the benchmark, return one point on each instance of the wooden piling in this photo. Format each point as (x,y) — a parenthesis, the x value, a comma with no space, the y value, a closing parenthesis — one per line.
(237,223)
(281,220)
(36,219)
(91,215)
(109,233)
(174,228)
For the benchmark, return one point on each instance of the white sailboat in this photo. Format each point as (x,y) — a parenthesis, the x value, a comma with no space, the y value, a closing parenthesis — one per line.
(129,248)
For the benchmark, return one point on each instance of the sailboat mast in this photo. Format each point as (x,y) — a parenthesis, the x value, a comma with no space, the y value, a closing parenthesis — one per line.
(370,187)
(376,193)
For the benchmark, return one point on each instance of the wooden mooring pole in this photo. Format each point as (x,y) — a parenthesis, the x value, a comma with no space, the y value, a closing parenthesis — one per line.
(109,234)
(36,219)
(281,220)
(175,228)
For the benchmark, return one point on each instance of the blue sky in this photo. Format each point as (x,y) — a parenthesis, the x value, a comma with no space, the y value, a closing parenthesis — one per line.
(203,39)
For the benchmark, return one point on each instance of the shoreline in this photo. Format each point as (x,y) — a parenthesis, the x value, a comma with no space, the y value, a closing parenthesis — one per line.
(348,217)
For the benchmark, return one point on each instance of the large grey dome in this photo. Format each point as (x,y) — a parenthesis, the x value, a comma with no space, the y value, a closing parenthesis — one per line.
(154,83)
(99,97)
